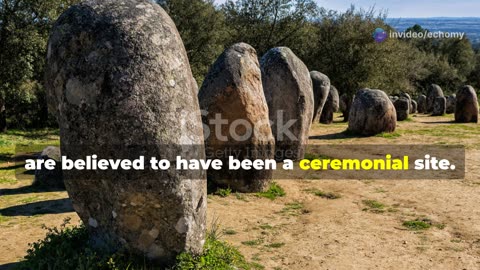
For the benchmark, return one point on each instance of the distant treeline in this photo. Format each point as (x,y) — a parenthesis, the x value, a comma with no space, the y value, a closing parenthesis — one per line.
(337,44)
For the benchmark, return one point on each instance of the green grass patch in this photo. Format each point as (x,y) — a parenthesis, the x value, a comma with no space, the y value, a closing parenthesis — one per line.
(387,135)
(273,192)
(373,206)
(266,227)
(323,194)
(3,219)
(252,243)
(275,245)
(229,232)
(68,248)
(223,192)
(416,225)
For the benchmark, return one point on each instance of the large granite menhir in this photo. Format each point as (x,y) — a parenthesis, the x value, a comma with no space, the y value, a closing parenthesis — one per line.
(288,91)
(120,84)
(434,91)
(233,90)
(372,113)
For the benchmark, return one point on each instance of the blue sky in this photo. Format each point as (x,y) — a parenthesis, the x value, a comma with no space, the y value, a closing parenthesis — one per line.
(410,8)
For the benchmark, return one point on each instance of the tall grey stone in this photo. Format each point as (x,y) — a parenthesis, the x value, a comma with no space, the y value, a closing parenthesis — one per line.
(434,91)
(451,103)
(331,106)
(466,110)
(119,80)
(440,106)
(321,88)
(288,91)
(372,113)
(402,107)
(233,90)
(422,104)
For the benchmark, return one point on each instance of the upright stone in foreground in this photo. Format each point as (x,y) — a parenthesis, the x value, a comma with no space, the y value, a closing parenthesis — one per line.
(321,89)
(466,110)
(119,79)
(434,91)
(331,106)
(372,113)
(288,91)
(233,90)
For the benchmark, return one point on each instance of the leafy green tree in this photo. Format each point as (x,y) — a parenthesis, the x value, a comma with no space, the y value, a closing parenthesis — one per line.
(24,30)
(348,54)
(202,28)
(265,24)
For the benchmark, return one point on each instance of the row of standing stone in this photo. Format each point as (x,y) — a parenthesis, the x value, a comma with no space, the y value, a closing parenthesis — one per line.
(118,78)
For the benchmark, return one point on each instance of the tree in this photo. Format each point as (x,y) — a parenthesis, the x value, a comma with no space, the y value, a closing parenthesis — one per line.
(24,30)
(265,24)
(202,28)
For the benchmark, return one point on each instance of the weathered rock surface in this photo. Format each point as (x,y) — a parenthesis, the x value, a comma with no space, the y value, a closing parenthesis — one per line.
(422,104)
(451,103)
(50,178)
(372,113)
(407,96)
(466,110)
(434,91)
(413,107)
(288,91)
(119,81)
(345,105)
(331,106)
(321,89)
(233,89)
(440,106)
(402,107)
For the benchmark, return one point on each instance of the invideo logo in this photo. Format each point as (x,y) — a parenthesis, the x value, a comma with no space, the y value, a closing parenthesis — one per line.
(380,35)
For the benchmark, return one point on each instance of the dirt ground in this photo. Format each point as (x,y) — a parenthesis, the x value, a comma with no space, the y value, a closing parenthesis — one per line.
(305,231)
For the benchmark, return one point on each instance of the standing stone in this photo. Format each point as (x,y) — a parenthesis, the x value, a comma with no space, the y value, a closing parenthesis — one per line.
(233,90)
(393,98)
(119,79)
(321,88)
(407,96)
(345,105)
(440,106)
(422,104)
(372,113)
(50,178)
(331,106)
(466,110)
(451,103)
(434,91)
(402,107)
(288,91)
(413,107)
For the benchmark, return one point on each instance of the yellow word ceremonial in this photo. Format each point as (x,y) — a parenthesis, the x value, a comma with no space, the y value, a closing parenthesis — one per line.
(387,164)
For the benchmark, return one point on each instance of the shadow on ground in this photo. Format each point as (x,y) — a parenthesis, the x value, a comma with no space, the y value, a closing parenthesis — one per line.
(39,208)
(9,266)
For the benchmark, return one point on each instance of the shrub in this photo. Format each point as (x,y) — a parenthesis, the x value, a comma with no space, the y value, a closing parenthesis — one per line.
(68,248)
